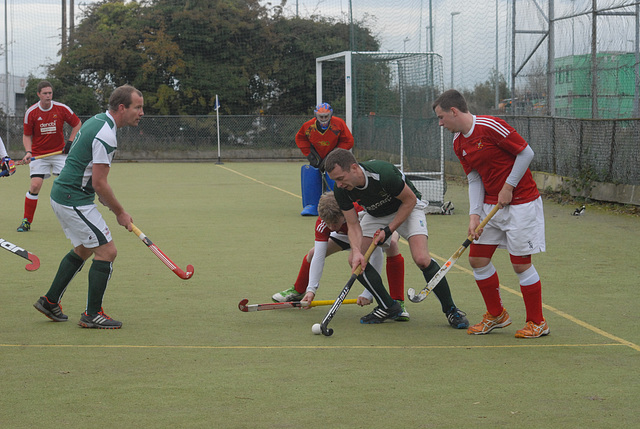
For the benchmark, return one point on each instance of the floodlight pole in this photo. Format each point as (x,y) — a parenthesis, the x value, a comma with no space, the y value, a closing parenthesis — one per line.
(452,15)
(6,71)
(496,78)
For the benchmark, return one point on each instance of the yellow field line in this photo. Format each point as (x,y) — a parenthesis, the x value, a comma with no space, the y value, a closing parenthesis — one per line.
(508,289)
(560,313)
(414,347)
(260,182)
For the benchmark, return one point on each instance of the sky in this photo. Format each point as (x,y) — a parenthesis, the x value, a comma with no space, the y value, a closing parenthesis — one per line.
(32,34)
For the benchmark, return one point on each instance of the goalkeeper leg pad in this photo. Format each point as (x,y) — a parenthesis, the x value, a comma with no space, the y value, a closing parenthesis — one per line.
(311,184)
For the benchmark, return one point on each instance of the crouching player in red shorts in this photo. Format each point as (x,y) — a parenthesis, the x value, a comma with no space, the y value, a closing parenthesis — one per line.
(331,237)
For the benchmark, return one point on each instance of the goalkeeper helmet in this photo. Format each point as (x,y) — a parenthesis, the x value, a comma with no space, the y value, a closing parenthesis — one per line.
(323,114)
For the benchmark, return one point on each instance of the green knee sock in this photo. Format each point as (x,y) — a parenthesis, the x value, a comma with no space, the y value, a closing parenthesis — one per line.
(70,265)
(99,275)
(372,281)
(442,290)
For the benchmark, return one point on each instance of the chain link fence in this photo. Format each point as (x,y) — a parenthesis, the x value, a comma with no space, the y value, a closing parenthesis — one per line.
(595,150)
(591,150)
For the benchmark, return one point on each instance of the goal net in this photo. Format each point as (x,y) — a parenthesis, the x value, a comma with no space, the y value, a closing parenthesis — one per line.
(385,98)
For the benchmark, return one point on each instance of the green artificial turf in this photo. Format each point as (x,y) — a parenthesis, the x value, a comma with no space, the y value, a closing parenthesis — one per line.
(187,357)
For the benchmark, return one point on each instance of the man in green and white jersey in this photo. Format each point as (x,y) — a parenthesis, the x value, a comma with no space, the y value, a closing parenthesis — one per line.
(73,201)
(391,203)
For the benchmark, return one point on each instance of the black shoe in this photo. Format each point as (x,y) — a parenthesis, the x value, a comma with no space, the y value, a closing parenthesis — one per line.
(98,321)
(52,311)
(379,315)
(457,319)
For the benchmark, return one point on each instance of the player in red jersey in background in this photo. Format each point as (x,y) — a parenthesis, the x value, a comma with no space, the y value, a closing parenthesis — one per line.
(43,133)
(496,160)
(316,138)
(331,237)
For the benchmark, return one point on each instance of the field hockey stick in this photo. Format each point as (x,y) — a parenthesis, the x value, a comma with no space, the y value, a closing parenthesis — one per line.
(327,332)
(46,155)
(244,306)
(411,292)
(325,185)
(184,275)
(33,259)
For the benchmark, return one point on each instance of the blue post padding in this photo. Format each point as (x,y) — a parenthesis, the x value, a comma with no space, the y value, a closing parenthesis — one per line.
(311,183)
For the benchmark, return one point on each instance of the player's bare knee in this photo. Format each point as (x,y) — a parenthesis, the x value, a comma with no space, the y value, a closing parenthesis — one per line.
(478,262)
(423,261)
(106,252)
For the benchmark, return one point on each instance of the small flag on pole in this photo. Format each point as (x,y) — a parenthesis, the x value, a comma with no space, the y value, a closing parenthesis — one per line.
(217,106)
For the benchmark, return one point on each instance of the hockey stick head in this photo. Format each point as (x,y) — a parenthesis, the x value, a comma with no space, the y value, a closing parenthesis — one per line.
(35,262)
(242,305)
(327,332)
(416,297)
(186,275)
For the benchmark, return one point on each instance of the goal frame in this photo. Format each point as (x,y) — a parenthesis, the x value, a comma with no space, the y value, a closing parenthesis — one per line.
(434,192)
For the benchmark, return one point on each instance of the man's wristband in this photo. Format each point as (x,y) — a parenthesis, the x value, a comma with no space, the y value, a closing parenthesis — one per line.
(387,233)
(28,152)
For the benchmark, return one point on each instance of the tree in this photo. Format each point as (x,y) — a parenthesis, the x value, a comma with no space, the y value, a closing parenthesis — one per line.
(287,83)
(180,54)
(115,44)
(482,98)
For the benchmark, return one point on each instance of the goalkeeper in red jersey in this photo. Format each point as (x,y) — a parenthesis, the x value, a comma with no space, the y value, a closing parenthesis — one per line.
(316,138)
(496,160)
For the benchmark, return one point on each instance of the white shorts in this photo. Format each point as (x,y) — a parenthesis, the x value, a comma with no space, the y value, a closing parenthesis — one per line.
(47,166)
(82,225)
(415,224)
(518,228)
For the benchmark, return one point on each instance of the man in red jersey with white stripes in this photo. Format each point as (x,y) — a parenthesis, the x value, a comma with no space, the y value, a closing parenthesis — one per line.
(496,160)
(43,133)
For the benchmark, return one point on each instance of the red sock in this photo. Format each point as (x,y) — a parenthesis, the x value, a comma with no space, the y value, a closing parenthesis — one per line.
(395,276)
(30,203)
(532,295)
(490,290)
(303,277)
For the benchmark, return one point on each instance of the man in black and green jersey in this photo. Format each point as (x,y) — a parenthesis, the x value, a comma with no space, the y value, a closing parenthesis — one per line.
(391,203)
(73,201)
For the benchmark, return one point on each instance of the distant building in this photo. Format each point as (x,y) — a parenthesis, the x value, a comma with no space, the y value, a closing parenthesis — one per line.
(16,100)
(615,86)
